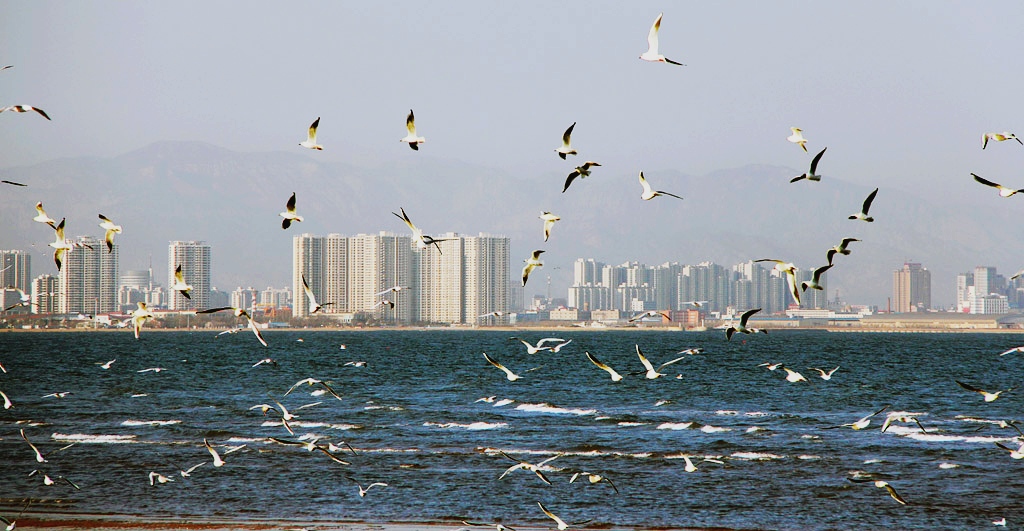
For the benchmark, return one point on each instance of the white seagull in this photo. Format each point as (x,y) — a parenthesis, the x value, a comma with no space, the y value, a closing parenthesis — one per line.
(649,313)
(652,45)
(217,461)
(611,372)
(1003,191)
(1012,350)
(60,244)
(812,174)
(7,401)
(39,455)
(790,270)
(864,422)
(815,278)
(362,491)
(562,526)
(24,299)
(555,348)
(392,289)
(422,240)
(566,148)
(111,229)
(863,214)
(289,214)
(649,193)
(313,306)
(594,478)
(1017,274)
(793,376)
(411,138)
(179,283)
(798,138)
(508,374)
(696,304)
(1014,454)
(582,172)
(549,221)
(901,417)
(155,478)
(310,141)
(841,249)
(240,313)
(41,216)
(311,381)
(998,137)
(651,372)
(531,349)
(24,108)
(824,375)
(139,317)
(989,397)
(742,326)
(532,263)
(882,485)
(536,469)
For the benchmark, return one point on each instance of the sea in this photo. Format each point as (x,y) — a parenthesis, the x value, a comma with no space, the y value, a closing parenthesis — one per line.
(427,415)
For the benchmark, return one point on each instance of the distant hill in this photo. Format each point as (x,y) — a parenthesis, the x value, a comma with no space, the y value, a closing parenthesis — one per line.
(196,191)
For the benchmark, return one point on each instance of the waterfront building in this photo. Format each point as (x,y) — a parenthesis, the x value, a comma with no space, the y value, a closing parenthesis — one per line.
(87,282)
(194,259)
(911,288)
(45,294)
(16,270)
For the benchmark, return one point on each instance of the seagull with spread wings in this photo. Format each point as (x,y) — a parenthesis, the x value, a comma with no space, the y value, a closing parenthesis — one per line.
(289,214)
(411,138)
(652,54)
(649,193)
(812,174)
(179,283)
(239,312)
(313,306)
(532,263)
(582,171)
(1003,191)
(310,141)
(566,148)
(111,229)
(863,214)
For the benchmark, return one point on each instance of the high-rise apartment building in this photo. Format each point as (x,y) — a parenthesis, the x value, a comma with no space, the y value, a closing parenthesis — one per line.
(88,278)
(911,288)
(983,291)
(194,259)
(45,294)
(377,262)
(16,270)
(485,277)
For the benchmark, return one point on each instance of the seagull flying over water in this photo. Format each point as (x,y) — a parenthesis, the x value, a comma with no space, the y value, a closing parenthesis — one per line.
(650,193)
(860,424)
(790,270)
(362,491)
(313,306)
(41,216)
(815,278)
(593,478)
(536,469)
(217,461)
(530,349)
(562,525)
(812,174)
(863,214)
(312,381)
(240,313)
(652,54)
(649,313)
(422,240)
(1003,191)
(581,171)
(566,148)
(289,214)
(653,373)
(413,140)
(989,397)
(532,263)
(310,141)
(7,401)
(998,137)
(24,108)
(179,283)
(24,299)
(798,138)
(742,326)
(140,316)
(111,229)
(549,221)
(611,372)
(901,417)
(841,249)
(60,244)
(511,376)
(824,375)
(882,485)
(1012,350)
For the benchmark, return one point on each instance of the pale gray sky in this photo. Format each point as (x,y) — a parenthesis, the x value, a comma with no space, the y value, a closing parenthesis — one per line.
(900,92)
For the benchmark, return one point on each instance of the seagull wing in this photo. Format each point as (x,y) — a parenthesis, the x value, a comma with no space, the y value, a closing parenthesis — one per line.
(566,136)
(969,387)
(867,202)
(984,181)
(814,162)
(645,184)
(663,365)
(568,180)
(410,123)
(612,372)
(818,272)
(256,331)
(311,135)
(652,36)
(662,192)
(746,315)
(561,523)
(290,205)
(647,364)
(895,495)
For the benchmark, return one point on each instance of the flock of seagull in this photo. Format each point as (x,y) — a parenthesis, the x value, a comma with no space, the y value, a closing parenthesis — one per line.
(62,245)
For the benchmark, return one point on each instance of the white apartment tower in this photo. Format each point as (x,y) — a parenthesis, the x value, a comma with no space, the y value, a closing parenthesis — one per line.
(45,294)
(16,270)
(87,282)
(194,259)
(486,276)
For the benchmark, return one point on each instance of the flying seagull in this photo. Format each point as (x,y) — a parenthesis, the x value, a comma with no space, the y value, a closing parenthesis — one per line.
(998,137)
(798,138)
(549,221)
(111,229)
(611,372)
(60,244)
(532,263)
(652,45)
(13,183)
(139,317)
(155,477)
(742,326)
(310,141)
(7,401)
(362,491)
(530,349)
(39,455)
(311,381)
(422,240)
(313,306)
(1014,454)
(562,526)
(582,172)
(41,217)
(1003,191)
(1012,350)
(556,348)
(566,148)
(217,461)
(649,313)
(899,417)
(815,278)
(536,469)
(179,283)
(860,424)
(649,194)
(24,299)
(793,376)
(651,372)
(824,375)
(841,249)
(384,302)
(392,289)
(790,270)
(594,478)
(508,374)
(812,174)
(289,214)
(240,313)
(863,214)
(413,140)
(882,485)
(24,108)
(989,397)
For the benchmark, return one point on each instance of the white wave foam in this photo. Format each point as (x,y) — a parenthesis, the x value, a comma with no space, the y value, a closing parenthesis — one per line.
(727,412)
(302,424)
(675,426)
(707,428)
(150,422)
(503,402)
(808,457)
(757,414)
(93,439)
(947,466)
(630,424)
(475,426)
(548,408)
(754,429)
(756,456)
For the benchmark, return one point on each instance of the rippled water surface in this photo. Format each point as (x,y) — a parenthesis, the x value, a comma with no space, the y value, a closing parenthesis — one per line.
(414,418)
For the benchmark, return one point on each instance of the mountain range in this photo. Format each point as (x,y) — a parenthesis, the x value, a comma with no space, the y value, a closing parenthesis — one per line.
(197,191)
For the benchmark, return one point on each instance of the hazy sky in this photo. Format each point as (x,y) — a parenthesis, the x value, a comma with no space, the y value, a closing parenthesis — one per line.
(900,92)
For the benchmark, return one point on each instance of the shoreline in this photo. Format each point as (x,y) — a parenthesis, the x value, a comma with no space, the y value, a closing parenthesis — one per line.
(539,328)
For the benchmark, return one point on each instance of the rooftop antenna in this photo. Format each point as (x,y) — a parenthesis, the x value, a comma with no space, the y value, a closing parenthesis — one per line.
(549,288)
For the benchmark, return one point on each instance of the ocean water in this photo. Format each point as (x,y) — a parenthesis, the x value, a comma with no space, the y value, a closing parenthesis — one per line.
(413,416)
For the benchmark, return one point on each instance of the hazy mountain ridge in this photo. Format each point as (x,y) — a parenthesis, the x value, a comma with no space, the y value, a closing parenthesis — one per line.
(192,190)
